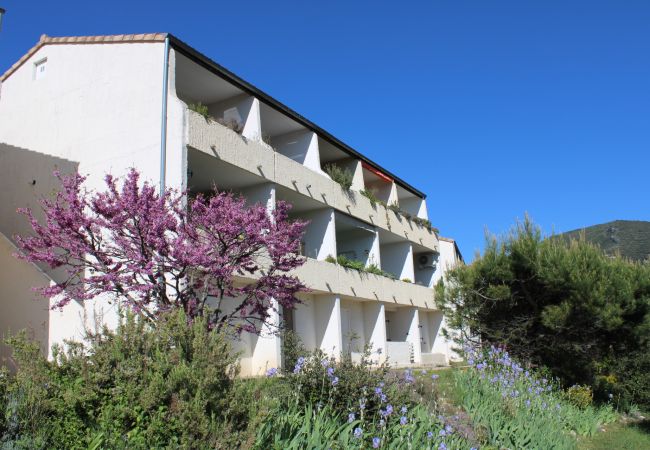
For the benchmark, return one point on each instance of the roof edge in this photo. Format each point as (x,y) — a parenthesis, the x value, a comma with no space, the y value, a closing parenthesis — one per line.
(105,39)
(244,85)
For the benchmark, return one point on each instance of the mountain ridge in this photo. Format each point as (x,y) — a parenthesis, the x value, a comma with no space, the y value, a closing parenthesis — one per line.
(629,238)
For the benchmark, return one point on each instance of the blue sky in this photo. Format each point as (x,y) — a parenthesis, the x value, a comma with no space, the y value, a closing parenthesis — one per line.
(493,108)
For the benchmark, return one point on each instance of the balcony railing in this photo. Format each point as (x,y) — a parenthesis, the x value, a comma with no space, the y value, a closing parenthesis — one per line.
(221,142)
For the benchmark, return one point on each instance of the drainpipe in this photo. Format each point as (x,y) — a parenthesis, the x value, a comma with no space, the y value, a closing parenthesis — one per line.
(163,119)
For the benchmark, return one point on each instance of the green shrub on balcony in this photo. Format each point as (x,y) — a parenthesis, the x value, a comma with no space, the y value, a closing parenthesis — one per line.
(201,109)
(342,176)
(371,196)
(353,264)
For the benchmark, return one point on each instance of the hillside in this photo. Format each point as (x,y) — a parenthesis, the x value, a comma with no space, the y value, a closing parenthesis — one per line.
(629,237)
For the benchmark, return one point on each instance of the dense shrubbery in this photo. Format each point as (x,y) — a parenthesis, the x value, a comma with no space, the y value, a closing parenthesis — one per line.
(137,387)
(341,404)
(174,386)
(563,305)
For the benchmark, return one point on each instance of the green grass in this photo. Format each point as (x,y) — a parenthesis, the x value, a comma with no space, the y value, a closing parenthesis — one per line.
(620,437)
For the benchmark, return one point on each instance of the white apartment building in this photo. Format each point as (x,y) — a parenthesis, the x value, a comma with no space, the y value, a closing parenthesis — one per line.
(104,104)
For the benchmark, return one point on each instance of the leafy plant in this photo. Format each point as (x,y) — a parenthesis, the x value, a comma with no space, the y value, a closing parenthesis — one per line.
(423,222)
(201,109)
(580,396)
(374,269)
(407,280)
(136,387)
(370,196)
(349,263)
(353,264)
(395,208)
(339,174)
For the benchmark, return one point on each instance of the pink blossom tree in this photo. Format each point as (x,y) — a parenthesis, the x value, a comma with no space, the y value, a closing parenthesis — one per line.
(210,255)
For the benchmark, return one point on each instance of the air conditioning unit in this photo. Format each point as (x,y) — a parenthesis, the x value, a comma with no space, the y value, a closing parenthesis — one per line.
(428,261)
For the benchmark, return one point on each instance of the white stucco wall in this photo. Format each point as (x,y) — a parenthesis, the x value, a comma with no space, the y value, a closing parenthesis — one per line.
(397,258)
(446,260)
(320,236)
(98,105)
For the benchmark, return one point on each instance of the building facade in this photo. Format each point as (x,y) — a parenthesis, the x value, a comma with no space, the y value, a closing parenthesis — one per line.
(109,103)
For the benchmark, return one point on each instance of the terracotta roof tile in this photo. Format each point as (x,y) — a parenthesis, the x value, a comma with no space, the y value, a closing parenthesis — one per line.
(117,38)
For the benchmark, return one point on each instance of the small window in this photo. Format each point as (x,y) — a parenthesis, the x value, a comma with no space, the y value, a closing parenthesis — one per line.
(40,68)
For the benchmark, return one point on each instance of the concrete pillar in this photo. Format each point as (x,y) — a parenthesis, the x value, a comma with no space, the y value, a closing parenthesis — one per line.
(304,322)
(354,166)
(243,109)
(374,256)
(374,317)
(439,345)
(260,193)
(414,337)
(406,327)
(267,346)
(320,235)
(301,146)
(253,125)
(392,195)
(328,324)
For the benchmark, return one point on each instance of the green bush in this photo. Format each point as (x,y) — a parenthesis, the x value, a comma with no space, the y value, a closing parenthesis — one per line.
(374,269)
(341,404)
(627,383)
(559,304)
(136,387)
(579,396)
(341,175)
(341,384)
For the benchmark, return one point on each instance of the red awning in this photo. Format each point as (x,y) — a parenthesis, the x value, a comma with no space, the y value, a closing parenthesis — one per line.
(376,172)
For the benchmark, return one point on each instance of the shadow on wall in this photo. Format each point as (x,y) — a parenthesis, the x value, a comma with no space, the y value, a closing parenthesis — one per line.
(25,177)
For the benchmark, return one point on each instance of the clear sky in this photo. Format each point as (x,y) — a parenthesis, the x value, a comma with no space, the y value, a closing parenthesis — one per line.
(494,108)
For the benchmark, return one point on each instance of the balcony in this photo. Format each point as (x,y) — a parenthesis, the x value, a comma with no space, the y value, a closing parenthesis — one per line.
(261,160)
(330,278)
